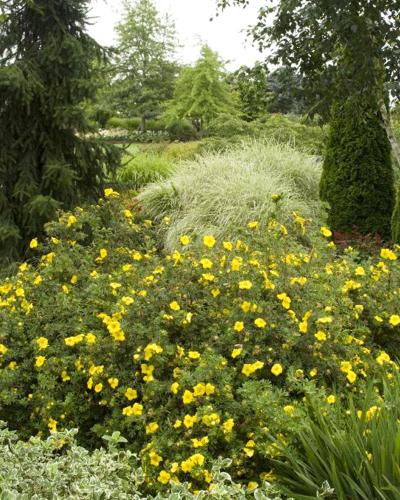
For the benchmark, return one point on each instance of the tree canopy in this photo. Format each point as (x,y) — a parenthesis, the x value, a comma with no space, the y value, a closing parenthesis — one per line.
(145,67)
(202,92)
(311,35)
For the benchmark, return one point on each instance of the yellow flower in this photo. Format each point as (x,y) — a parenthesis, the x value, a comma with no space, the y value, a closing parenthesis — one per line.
(185,240)
(394,319)
(187,397)
(236,352)
(209,241)
(326,232)
(194,355)
(42,343)
(198,443)
(388,254)
(152,427)
(195,460)
(227,246)
(37,280)
(331,399)
(113,381)
(174,388)
(208,277)
(383,358)
(351,376)
(238,326)
(131,394)
(210,389)
(321,336)
(98,387)
(285,300)
(260,323)
(313,372)
(72,341)
(245,285)
(71,220)
(177,424)
(211,420)
(52,425)
(155,458)
(136,409)
(249,369)
(289,410)
(40,360)
(228,425)
(175,306)
(199,390)
(253,225)
(34,243)
(110,193)
(164,477)
(276,369)
(249,448)
(189,421)
(345,366)
(90,338)
(206,263)
(360,271)
(103,253)
(252,485)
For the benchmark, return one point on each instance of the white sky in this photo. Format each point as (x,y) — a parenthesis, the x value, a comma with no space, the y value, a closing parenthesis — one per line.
(225,34)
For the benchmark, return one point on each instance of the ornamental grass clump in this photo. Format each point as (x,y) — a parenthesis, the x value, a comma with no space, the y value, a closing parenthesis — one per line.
(354,450)
(206,351)
(218,191)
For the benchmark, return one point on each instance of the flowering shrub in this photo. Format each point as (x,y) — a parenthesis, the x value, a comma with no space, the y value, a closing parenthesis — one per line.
(201,353)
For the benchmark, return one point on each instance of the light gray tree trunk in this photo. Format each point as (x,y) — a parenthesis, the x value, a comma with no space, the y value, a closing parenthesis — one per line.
(392,138)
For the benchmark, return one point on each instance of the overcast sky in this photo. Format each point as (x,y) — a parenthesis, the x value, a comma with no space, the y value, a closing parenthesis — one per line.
(226,34)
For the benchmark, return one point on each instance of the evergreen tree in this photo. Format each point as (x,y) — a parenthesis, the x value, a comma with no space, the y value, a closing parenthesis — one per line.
(347,52)
(46,162)
(358,179)
(202,92)
(146,70)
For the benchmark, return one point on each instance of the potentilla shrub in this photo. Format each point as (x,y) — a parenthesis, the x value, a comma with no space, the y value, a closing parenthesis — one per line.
(358,179)
(204,352)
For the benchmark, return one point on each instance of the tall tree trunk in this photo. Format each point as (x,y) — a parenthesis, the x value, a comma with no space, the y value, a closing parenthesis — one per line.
(389,130)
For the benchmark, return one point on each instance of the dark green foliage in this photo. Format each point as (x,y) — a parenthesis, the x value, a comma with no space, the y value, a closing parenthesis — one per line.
(289,95)
(46,163)
(396,220)
(357,179)
(251,84)
(182,130)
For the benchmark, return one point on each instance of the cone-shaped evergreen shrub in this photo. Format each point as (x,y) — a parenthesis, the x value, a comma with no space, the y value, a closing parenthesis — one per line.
(46,68)
(358,178)
(396,220)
